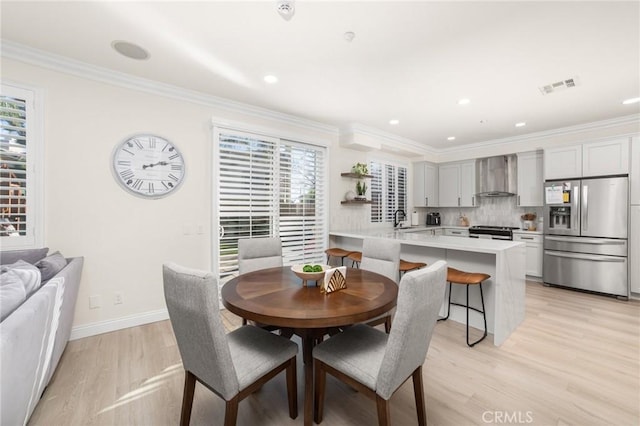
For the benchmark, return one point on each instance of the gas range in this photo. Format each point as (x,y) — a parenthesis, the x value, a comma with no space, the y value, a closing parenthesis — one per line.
(492,232)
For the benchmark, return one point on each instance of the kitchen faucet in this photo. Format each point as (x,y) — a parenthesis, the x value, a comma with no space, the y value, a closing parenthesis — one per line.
(396,222)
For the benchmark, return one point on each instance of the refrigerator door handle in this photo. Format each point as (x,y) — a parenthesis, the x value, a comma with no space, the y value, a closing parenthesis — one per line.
(590,257)
(585,207)
(584,240)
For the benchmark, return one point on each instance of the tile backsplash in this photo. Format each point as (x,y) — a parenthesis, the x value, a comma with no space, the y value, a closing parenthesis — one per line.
(494,211)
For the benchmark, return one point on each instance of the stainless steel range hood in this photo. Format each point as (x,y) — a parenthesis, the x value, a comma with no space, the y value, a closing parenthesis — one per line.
(496,176)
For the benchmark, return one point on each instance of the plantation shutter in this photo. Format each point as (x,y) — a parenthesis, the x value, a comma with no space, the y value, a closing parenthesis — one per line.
(16,169)
(376,192)
(267,187)
(301,216)
(388,191)
(246,188)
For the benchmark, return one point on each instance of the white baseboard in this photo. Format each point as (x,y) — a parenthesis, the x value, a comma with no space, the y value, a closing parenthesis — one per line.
(118,324)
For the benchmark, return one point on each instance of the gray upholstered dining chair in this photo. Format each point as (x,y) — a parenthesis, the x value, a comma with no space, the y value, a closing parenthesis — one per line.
(259,253)
(376,363)
(383,257)
(232,365)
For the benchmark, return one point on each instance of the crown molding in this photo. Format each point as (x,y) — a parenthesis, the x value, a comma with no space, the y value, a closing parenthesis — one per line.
(386,141)
(29,55)
(562,131)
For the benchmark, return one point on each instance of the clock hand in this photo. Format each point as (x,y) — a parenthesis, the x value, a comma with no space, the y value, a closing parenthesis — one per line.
(159,163)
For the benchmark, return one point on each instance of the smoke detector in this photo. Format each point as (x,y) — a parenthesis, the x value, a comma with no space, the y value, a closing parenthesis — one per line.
(286,8)
(559,85)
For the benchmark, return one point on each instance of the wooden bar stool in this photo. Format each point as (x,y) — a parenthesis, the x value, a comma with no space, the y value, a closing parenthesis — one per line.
(337,252)
(355,257)
(406,266)
(455,276)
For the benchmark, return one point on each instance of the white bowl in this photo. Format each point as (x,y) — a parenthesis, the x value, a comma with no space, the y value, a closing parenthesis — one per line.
(309,276)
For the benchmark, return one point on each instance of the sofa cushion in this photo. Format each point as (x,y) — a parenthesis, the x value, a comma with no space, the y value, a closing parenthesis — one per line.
(17,283)
(29,255)
(51,265)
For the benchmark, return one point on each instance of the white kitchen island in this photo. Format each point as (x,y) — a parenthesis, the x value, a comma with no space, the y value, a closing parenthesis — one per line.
(504,292)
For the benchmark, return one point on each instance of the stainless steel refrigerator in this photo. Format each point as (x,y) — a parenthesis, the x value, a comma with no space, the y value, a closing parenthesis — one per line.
(585,234)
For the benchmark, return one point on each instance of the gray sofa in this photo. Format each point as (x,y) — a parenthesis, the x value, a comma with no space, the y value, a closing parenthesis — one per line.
(34,336)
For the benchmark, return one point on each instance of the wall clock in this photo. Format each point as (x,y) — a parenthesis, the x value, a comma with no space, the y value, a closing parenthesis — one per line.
(148,166)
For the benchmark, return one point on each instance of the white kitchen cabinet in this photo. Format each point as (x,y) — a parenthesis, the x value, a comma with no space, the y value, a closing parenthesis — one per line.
(530,179)
(634,173)
(425,184)
(533,252)
(456,232)
(634,249)
(590,159)
(457,184)
(605,158)
(563,162)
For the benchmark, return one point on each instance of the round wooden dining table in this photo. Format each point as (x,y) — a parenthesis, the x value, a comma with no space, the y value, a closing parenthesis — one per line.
(276,296)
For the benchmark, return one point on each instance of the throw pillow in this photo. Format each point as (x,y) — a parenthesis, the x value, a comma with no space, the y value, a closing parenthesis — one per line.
(29,255)
(51,265)
(17,282)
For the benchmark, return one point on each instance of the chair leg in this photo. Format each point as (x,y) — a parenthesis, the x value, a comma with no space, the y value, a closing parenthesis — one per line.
(448,306)
(231,412)
(383,411)
(292,388)
(244,321)
(187,397)
(418,391)
(484,317)
(387,324)
(318,405)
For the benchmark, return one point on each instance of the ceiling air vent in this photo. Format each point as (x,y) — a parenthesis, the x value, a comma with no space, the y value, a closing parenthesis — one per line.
(559,85)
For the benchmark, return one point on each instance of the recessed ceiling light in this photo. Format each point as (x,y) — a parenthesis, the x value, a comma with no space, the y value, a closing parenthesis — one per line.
(464,101)
(271,79)
(631,101)
(521,124)
(130,50)
(451,138)
(394,122)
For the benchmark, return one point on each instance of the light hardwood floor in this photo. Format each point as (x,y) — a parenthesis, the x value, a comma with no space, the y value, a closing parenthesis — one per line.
(574,361)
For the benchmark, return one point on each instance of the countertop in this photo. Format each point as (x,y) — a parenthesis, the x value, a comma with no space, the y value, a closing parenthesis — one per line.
(414,236)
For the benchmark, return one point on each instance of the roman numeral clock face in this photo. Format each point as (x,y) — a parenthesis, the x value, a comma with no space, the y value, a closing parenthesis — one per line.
(148,166)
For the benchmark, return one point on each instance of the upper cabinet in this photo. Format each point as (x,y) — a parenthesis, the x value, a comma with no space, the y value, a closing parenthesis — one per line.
(457,184)
(634,173)
(425,184)
(605,158)
(530,179)
(587,160)
(563,162)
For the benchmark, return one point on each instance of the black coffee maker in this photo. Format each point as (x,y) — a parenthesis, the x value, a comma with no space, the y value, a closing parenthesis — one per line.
(433,219)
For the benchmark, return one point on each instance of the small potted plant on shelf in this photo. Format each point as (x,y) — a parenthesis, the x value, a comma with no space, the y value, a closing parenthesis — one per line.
(361,190)
(360,169)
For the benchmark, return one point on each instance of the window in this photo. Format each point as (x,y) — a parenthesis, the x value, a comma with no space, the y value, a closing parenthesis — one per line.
(388,191)
(20,218)
(268,187)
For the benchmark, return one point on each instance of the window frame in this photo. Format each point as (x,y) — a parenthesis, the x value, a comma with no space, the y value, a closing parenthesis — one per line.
(382,211)
(283,138)
(34,102)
